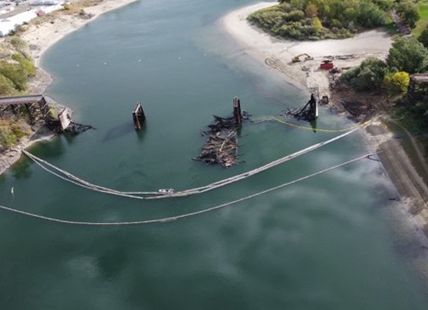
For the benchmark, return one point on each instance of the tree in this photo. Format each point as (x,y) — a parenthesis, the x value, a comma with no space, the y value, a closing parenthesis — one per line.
(401,80)
(407,54)
(423,38)
(397,82)
(316,23)
(368,76)
(311,10)
(370,15)
(339,18)
(385,5)
(409,13)
(296,4)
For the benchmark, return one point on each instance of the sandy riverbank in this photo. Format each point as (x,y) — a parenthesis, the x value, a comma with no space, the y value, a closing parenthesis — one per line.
(411,209)
(40,38)
(278,53)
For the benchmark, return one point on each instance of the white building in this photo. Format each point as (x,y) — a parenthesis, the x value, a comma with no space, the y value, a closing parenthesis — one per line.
(9,24)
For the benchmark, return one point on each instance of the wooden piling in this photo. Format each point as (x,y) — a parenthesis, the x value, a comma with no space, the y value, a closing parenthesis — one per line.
(237,114)
(138,116)
(313,108)
(309,112)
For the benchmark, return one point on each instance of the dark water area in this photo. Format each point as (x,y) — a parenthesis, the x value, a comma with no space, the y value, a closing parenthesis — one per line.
(323,243)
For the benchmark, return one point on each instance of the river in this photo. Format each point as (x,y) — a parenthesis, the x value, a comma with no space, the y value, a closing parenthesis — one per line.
(328,242)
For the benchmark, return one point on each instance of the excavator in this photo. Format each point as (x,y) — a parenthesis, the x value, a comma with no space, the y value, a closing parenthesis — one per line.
(297,58)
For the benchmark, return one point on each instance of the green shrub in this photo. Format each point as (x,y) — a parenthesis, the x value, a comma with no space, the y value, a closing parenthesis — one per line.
(20,130)
(6,86)
(407,54)
(366,77)
(18,43)
(397,82)
(295,16)
(370,15)
(337,18)
(7,137)
(423,38)
(15,73)
(26,63)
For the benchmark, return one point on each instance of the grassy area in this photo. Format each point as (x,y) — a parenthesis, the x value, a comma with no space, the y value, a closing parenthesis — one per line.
(422,23)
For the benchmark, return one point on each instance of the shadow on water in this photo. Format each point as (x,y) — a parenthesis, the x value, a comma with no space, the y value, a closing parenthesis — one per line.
(69,138)
(52,149)
(142,132)
(112,261)
(314,125)
(21,169)
(123,130)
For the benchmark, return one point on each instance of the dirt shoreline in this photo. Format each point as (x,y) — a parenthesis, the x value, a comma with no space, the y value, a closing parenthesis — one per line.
(277,54)
(40,38)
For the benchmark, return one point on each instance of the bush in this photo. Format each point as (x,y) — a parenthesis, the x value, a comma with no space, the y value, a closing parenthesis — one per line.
(369,15)
(423,38)
(368,76)
(409,13)
(20,130)
(337,18)
(407,54)
(7,137)
(295,16)
(15,73)
(18,43)
(26,63)
(316,23)
(397,82)
(6,86)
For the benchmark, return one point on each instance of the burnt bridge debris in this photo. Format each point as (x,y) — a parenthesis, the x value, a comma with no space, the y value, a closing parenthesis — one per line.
(36,110)
(308,113)
(221,146)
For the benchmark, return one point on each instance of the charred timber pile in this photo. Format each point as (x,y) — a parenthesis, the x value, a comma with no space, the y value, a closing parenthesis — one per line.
(64,124)
(221,146)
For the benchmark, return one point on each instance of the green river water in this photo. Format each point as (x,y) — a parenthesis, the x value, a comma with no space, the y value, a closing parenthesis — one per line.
(330,242)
